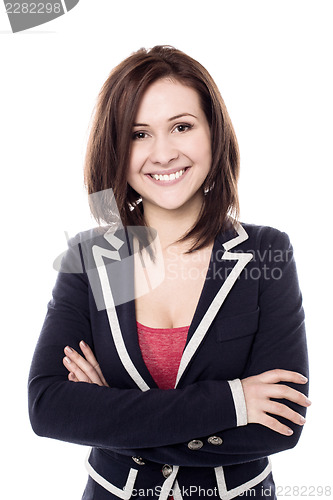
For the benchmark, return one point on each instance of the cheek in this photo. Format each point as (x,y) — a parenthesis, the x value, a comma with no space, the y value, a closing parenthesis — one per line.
(137,159)
(134,166)
(200,150)
(203,155)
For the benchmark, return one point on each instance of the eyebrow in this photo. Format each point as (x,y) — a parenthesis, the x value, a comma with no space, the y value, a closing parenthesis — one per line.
(169,119)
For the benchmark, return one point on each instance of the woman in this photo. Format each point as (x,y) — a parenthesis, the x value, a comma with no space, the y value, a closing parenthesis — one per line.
(185,355)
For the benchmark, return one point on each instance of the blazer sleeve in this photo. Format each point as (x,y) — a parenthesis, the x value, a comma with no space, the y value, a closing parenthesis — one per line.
(280,342)
(110,417)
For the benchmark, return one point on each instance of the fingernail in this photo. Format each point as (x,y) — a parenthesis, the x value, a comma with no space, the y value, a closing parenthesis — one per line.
(304,379)
(68,349)
(67,360)
(83,344)
(308,402)
(302,420)
(290,432)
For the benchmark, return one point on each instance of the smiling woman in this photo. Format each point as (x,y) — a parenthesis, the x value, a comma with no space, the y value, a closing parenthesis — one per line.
(164,88)
(176,385)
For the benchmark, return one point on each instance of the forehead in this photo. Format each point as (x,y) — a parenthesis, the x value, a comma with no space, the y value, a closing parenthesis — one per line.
(166,98)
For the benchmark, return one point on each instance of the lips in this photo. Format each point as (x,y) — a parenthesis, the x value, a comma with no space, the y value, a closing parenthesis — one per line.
(171,176)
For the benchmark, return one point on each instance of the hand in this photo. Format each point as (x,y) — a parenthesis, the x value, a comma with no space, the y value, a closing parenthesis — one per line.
(83,369)
(260,388)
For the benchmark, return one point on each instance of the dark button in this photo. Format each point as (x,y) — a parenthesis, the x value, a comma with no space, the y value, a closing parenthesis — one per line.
(195,444)
(138,460)
(216,440)
(167,470)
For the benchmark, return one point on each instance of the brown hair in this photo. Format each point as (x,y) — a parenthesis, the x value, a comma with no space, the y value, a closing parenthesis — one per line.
(109,144)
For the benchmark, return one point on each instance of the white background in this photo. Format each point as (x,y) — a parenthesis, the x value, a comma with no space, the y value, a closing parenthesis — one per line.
(272,62)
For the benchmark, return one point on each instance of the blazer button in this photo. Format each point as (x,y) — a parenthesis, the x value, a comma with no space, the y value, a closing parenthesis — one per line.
(195,444)
(167,470)
(138,460)
(216,440)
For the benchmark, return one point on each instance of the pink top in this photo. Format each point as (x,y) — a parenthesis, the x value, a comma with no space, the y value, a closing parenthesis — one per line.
(162,349)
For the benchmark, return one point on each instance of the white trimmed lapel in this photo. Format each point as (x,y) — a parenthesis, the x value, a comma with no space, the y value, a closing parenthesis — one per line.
(125,274)
(241,260)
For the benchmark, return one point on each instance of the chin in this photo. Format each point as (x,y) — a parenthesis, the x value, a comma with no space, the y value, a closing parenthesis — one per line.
(171,204)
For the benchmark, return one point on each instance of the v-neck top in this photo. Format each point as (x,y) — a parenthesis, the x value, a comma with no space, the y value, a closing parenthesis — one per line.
(162,349)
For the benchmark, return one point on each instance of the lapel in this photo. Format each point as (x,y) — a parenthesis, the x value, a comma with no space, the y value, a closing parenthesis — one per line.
(117,288)
(224,269)
(114,263)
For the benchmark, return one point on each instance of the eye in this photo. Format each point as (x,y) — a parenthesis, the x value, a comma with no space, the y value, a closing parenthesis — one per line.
(183,127)
(138,135)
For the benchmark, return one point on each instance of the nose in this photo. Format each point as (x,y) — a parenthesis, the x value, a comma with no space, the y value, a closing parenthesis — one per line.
(163,151)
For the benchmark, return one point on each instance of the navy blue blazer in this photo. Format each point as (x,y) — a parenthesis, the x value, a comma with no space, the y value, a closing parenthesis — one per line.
(193,440)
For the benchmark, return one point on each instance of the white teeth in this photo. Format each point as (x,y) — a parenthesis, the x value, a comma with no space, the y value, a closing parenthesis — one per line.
(166,177)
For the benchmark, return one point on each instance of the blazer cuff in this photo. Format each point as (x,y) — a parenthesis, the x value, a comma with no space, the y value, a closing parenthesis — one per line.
(239,401)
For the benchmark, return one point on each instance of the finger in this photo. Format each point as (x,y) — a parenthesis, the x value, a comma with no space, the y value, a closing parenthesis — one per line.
(276,426)
(83,365)
(90,357)
(284,411)
(279,391)
(72,377)
(75,370)
(279,375)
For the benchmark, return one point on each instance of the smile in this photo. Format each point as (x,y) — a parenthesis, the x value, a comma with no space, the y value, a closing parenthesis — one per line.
(170,177)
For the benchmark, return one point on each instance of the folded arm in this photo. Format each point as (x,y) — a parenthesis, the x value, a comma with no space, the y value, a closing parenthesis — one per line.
(159,424)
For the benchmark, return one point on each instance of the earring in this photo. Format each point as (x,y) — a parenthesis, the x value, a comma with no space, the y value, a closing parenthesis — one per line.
(207,189)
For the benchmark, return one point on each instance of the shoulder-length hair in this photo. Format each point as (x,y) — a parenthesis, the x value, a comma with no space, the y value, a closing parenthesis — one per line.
(109,143)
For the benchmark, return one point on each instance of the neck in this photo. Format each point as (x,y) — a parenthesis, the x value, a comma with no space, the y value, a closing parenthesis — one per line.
(171,225)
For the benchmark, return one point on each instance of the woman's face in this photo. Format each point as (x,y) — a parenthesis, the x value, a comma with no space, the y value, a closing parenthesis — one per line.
(171,147)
